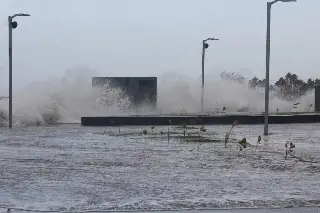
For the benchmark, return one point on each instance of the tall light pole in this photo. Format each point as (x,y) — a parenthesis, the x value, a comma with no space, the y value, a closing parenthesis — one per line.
(12,25)
(205,45)
(266,111)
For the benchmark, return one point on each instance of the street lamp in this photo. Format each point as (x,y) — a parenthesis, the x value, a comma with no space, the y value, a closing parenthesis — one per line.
(266,112)
(12,25)
(205,45)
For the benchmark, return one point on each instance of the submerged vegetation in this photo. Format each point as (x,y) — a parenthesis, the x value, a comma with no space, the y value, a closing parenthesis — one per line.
(227,136)
(194,131)
(186,133)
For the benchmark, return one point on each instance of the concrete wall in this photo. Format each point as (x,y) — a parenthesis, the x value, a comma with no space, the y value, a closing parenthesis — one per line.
(317,98)
(195,120)
(140,90)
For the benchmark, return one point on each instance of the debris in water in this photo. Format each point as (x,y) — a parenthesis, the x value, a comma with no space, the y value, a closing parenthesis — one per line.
(226,137)
(243,143)
(144,131)
(259,140)
(289,149)
(202,129)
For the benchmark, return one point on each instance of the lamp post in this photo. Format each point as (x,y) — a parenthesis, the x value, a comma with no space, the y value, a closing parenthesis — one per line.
(266,112)
(12,25)
(205,45)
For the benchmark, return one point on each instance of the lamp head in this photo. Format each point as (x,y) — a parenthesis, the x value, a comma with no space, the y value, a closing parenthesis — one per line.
(20,14)
(14,24)
(288,0)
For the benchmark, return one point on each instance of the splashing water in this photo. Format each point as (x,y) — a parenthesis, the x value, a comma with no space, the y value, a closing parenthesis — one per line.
(179,92)
(67,99)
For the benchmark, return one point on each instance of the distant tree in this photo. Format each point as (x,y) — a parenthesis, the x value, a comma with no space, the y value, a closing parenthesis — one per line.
(253,83)
(262,82)
(232,77)
(280,83)
(294,78)
(288,76)
(310,83)
(291,87)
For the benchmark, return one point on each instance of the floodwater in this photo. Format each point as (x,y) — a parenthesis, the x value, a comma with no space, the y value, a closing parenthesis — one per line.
(278,210)
(73,168)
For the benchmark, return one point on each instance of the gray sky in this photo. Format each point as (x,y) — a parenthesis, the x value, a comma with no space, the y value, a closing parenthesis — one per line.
(149,37)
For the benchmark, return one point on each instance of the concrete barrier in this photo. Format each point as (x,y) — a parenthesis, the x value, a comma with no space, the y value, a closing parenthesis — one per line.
(317,98)
(196,120)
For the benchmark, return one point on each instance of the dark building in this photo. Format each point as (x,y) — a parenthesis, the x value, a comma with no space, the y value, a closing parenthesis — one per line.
(142,91)
(317,98)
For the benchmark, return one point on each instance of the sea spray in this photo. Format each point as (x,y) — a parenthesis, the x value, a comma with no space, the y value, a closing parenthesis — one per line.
(66,99)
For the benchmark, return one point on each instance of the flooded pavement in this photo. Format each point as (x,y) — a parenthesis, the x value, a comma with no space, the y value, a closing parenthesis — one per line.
(74,168)
(287,210)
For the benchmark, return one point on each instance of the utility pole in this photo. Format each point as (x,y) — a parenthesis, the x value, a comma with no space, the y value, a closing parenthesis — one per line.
(205,46)
(267,83)
(12,25)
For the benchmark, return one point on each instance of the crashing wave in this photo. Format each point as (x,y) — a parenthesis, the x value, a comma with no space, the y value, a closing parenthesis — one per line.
(3,118)
(67,99)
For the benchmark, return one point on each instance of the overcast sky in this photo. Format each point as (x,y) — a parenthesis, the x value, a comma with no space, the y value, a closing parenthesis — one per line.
(152,37)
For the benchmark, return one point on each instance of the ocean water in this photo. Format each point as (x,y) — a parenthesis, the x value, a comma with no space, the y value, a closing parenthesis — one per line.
(76,169)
